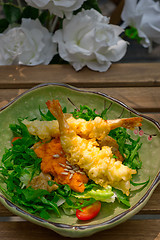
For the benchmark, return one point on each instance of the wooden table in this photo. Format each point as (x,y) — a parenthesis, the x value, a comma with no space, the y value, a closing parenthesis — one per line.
(138,85)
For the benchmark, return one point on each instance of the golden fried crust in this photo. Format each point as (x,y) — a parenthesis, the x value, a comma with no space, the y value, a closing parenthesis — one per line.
(99,164)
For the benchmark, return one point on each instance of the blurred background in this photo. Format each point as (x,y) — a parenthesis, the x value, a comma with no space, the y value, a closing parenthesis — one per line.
(135,52)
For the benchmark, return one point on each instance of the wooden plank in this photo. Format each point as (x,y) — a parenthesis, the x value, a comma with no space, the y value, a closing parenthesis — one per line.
(7,95)
(4,211)
(116,14)
(152,207)
(120,74)
(158,237)
(130,230)
(155,116)
(142,99)
(153,204)
(146,99)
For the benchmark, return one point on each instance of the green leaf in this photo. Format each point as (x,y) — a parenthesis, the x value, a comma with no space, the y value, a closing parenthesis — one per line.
(20,130)
(44,214)
(16,129)
(99,194)
(64,190)
(75,204)
(30,12)
(32,194)
(49,116)
(12,13)
(3,25)
(7,157)
(90,4)
(85,113)
(50,183)
(103,114)
(132,33)
(58,60)
(122,197)
(51,204)
(140,184)
(128,147)
(19,163)
(44,17)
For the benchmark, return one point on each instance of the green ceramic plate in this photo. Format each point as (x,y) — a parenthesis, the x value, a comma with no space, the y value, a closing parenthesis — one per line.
(110,215)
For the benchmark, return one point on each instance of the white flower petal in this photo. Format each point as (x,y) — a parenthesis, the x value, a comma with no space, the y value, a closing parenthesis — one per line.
(89,40)
(99,67)
(77,65)
(58,7)
(28,44)
(116,52)
(38,3)
(144,15)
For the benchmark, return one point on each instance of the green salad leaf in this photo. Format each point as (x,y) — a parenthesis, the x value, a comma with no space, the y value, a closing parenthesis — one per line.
(87,113)
(128,147)
(20,164)
(48,116)
(74,203)
(98,193)
(140,184)
(122,197)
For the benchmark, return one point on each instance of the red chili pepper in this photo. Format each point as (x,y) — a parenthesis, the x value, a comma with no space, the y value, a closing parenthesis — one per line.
(15,138)
(89,212)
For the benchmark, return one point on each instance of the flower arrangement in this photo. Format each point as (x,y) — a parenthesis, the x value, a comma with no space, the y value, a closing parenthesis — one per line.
(73,31)
(143,19)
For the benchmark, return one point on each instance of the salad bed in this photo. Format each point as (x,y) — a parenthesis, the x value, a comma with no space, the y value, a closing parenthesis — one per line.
(20,164)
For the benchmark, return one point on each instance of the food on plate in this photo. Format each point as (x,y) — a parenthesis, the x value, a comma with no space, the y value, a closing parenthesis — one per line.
(89,212)
(97,128)
(55,163)
(99,164)
(70,162)
(41,182)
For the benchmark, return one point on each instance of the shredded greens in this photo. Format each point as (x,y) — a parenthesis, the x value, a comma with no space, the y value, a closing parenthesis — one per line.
(20,164)
(87,113)
(128,147)
(49,116)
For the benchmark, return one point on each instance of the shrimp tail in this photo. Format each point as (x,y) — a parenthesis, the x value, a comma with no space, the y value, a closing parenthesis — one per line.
(129,123)
(56,110)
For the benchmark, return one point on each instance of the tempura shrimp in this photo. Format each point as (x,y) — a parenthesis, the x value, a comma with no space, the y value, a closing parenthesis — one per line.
(97,128)
(110,142)
(45,130)
(98,163)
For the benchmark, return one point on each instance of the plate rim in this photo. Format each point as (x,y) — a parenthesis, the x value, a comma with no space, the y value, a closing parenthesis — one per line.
(113,220)
(80,90)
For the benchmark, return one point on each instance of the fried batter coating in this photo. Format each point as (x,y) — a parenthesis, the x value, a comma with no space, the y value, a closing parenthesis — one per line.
(98,163)
(110,142)
(45,130)
(97,128)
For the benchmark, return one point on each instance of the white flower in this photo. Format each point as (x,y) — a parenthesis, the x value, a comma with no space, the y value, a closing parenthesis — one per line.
(28,44)
(89,40)
(58,7)
(144,15)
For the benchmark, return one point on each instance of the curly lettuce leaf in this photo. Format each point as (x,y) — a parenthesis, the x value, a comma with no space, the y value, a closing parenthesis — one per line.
(98,194)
